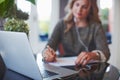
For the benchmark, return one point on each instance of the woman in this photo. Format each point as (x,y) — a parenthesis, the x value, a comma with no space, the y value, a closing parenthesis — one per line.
(80,33)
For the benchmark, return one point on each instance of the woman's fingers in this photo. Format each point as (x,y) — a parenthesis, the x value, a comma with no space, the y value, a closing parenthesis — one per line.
(50,59)
(49,54)
(80,58)
(84,58)
(51,50)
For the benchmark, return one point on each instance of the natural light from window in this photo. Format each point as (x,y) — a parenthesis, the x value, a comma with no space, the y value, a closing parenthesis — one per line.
(24,6)
(105,4)
(44,9)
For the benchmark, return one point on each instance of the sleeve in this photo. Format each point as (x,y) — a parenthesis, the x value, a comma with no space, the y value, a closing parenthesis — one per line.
(56,36)
(101,42)
(100,54)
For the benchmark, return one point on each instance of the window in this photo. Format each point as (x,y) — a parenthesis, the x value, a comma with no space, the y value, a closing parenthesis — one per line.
(44,13)
(106,17)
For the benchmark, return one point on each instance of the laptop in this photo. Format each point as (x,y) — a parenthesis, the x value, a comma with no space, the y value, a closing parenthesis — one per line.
(7,74)
(18,56)
(2,68)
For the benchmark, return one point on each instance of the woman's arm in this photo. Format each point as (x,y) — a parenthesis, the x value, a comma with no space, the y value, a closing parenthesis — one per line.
(101,51)
(56,35)
(49,54)
(101,43)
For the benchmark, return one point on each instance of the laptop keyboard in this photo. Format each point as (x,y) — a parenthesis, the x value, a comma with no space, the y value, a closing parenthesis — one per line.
(47,74)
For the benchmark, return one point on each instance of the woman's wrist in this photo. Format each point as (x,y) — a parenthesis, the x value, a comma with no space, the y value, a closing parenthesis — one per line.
(101,55)
(43,53)
(98,55)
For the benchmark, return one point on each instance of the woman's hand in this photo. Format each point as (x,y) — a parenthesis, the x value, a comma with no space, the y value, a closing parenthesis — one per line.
(49,54)
(84,58)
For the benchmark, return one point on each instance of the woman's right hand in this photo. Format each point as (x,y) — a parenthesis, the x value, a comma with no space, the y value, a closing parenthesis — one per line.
(49,54)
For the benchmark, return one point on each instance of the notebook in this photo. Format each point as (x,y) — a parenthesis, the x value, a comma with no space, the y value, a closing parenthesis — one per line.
(18,56)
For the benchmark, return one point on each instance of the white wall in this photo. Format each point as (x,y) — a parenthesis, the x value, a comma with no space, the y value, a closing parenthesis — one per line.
(115,47)
(33,23)
(54,15)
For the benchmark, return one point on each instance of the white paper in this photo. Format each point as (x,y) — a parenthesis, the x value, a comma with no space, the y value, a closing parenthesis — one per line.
(68,61)
(64,61)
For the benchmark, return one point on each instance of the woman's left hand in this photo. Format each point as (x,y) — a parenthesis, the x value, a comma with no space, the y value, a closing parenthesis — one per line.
(84,58)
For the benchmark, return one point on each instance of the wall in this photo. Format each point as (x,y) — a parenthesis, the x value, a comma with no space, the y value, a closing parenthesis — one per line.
(54,15)
(33,23)
(115,47)
(62,6)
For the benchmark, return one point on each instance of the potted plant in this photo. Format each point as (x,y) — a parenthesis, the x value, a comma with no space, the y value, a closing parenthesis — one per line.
(11,18)
(16,25)
(7,7)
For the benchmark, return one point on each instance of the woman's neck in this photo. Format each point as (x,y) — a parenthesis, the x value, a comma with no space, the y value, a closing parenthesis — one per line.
(81,23)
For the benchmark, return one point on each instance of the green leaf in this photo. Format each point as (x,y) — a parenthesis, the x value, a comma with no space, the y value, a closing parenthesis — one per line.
(32,1)
(1,1)
(5,7)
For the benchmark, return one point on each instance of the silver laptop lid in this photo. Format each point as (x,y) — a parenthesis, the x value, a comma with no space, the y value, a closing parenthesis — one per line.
(17,54)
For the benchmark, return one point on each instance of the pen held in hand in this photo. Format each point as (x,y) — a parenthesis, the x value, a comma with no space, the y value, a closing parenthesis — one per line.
(51,50)
(50,54)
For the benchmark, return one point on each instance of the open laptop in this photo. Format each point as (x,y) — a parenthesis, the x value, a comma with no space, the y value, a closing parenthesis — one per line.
(18,56)
(7,74)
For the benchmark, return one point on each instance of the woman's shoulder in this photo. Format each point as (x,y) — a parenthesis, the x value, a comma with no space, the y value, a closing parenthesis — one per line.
(60,23)
(95,25)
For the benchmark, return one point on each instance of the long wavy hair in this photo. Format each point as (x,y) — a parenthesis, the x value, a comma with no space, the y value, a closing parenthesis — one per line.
(92,15)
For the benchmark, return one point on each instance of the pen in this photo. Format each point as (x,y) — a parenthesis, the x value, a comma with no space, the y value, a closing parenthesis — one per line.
(50,55)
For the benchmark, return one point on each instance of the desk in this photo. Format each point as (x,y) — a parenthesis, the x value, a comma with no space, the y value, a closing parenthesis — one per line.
(11,75)
(98,71)
(7,74)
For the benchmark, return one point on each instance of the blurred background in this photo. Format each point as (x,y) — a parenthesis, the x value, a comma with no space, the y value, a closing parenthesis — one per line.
(43,16)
